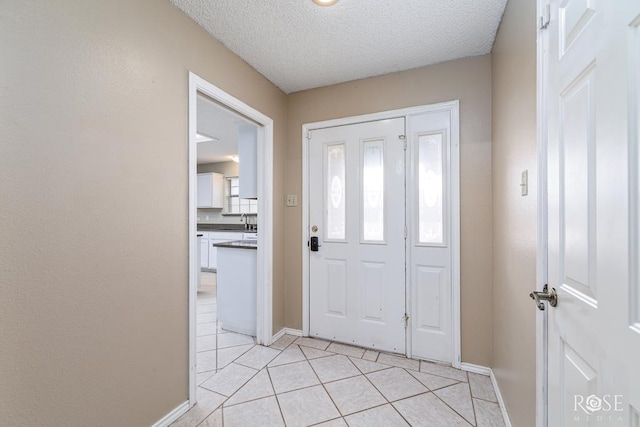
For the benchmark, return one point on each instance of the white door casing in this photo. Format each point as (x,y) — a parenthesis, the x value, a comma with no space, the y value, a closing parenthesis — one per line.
(265,216)
(357,277)
(593,336)
(429,218)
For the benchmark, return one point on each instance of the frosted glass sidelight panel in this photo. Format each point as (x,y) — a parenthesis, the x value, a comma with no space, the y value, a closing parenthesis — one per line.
(335,192)
(373,191)
(430,189)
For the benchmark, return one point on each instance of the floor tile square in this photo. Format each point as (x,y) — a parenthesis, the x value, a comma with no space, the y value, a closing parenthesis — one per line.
(426,410)
(289,355)
(433,382)
(313,353)
(228,355)
(338,422)
(258,387)
(232,340)
(262,412)
(229,380)
(283,342)
(206,343)
(312,342)
(293,376)
(347,350)
(396,383)
(399,361)
(334,368)
(205,361)
(203,376)
(205,329)
(208,402)
(481,387)
(458,397)
(488,414)
(258,357)
(381,416)
(443,371)
(366,366)
(371,355)
(205,308)
(206,317)
(354,394)
(307,406)
(213,420)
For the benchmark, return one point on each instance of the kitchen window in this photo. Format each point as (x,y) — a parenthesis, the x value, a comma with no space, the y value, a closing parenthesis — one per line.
(234,205)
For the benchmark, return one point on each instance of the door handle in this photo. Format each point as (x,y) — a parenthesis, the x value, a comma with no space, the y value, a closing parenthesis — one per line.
(545,295)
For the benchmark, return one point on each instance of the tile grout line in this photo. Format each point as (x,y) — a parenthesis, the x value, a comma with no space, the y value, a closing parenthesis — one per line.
(275,395)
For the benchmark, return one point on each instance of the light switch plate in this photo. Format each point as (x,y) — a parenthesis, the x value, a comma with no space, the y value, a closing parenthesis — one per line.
(524,184)
(292,200)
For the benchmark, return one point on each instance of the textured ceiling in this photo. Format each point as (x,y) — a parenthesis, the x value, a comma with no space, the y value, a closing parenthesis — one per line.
(299,45)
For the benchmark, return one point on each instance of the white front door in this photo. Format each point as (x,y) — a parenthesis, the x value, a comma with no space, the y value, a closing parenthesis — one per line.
(594,331)
(356,211)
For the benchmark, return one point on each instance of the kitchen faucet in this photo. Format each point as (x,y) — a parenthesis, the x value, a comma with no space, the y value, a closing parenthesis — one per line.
(243,218)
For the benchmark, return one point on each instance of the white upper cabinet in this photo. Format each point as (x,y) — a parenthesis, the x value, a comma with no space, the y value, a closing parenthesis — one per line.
(248,156)
(210,190)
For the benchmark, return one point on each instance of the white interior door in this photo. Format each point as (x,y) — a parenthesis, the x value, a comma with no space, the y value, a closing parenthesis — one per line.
(429,219)
(356,211)
(593,332)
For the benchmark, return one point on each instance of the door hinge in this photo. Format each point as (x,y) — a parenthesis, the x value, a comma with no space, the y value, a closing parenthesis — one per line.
(405,231)
(545,19)
(308,134)
(405,319)
(403,138)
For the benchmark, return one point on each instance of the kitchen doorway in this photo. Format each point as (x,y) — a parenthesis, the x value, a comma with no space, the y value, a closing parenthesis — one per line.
(219,195)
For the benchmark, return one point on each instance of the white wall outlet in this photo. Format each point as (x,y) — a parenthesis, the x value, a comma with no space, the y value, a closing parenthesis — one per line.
(524,184)
(292,200)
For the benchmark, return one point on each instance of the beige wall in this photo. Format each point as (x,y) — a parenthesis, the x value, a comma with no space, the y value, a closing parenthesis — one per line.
(93,306)
(514,216)
(468,80)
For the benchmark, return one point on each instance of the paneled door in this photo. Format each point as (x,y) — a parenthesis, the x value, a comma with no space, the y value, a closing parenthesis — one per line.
(590,78)
(429,237)
(357,215)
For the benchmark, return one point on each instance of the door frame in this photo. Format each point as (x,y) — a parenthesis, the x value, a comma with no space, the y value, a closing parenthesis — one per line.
(453,107)
(542,223)
(265,216)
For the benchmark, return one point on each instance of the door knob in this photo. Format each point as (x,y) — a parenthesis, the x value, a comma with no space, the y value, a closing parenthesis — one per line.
(545,295)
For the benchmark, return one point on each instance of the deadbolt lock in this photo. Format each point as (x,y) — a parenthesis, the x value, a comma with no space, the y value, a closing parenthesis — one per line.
(314,228)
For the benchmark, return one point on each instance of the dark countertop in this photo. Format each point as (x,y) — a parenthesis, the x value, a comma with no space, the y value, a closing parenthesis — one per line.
(221,227)
(238,244)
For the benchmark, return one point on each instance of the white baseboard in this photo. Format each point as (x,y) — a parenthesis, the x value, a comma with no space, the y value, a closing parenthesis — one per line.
(173,415)
(483,370)
(287,331)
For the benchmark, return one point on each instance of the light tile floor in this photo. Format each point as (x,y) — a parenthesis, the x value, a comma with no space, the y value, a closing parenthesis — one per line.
(310,382)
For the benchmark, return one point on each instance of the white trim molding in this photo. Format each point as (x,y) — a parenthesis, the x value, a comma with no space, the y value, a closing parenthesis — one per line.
(454,108)
(483,370)
(286,331)
(173,415)
(265,215)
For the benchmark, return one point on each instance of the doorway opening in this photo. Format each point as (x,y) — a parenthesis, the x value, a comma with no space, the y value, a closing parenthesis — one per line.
(381,230)
(230,224)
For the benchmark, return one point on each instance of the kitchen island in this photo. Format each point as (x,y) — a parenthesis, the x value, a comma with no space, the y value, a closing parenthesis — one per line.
(237,283)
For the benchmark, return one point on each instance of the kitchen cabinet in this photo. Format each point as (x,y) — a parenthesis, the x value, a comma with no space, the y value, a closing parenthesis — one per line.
(208,252)
(210,190)
(248,157)
(204,251)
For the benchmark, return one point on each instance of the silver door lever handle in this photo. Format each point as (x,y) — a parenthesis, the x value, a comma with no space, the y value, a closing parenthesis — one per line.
(545,295)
